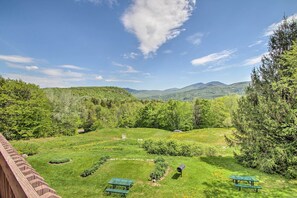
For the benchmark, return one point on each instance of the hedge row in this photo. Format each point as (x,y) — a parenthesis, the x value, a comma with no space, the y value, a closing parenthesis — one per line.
(172,148)
(95,166)
(160,169)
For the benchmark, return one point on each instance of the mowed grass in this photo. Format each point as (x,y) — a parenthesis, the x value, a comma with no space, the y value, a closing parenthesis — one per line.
(203,176)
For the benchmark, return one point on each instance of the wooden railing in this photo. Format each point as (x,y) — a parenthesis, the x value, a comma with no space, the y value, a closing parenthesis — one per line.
(17,178)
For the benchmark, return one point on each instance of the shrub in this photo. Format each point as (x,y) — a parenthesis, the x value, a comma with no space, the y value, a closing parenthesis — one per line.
(27,148)
(160,169)
(172,148)
(211,151)
(59,161)
(95,166)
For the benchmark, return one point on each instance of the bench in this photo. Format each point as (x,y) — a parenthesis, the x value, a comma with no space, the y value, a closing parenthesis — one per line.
(114,190)
(239,186)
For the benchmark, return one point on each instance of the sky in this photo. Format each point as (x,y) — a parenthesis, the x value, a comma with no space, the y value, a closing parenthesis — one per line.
(139,44)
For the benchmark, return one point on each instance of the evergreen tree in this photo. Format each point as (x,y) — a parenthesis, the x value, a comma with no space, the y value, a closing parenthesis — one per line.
(266,118)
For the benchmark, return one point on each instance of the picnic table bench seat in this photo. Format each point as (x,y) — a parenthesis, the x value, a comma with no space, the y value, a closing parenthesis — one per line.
(239,186)
(115,190)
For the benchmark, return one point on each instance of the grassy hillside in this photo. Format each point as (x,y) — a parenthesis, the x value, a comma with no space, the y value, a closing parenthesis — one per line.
(110,93)
(203,176)
(199,90)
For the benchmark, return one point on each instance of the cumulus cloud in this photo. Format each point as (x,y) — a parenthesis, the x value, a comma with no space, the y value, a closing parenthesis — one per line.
(16,59)
(270,29)
(212,57)
(195,39)
(156,21)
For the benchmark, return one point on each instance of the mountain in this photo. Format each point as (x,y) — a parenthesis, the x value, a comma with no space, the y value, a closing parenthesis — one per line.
(199,90)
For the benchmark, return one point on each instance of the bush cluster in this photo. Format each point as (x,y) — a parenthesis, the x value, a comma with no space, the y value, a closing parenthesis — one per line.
(59,161)
(160,169)
(172,148)
(95,166)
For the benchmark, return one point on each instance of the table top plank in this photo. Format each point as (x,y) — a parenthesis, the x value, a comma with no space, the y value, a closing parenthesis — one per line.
(121,182)
(244,178)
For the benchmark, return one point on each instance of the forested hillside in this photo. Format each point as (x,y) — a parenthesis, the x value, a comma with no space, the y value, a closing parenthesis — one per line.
(199,90)
(28,111)
(108,93)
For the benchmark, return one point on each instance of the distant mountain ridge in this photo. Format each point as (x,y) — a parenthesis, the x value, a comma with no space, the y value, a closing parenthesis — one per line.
(198,90)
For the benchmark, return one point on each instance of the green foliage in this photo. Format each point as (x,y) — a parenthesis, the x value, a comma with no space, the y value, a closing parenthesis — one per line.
(211,151)
(24,110)
(160,169)
(172,148)
(266,118)
(95,167)
(27,148)
(59,160)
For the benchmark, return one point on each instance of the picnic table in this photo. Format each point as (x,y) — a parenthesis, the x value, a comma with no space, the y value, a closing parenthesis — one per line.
(121,182)
(250,179)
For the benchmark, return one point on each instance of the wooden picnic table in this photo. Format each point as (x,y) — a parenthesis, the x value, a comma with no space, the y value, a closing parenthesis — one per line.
(121,182)
(249,179)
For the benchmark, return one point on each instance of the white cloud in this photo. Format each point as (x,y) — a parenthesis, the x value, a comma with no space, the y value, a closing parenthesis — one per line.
(61,73)
(72,67)
(156,21)
(195,39)
(256,43)
(16,59)
(41,81)
(98,2)
(131,55)
(254,60)
(99,78)
(129,69)
(32,67)
(269,31)
(18,66)
(212,57)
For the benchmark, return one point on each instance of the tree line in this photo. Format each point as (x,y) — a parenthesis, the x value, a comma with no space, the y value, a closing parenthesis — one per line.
(28,111)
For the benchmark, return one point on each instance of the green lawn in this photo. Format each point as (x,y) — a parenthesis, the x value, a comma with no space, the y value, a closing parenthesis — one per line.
(203,176)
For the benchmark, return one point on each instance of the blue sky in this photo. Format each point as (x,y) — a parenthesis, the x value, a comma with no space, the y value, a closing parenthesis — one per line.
(141,44)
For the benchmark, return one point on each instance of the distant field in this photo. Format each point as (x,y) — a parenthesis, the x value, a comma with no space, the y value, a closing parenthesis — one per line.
(203,177)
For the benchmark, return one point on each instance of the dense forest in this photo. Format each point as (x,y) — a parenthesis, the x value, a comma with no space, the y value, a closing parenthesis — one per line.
(28,111)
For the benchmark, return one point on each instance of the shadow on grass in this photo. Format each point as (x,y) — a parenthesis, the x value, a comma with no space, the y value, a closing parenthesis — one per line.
(219,189)
(176,176)
(228,163)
